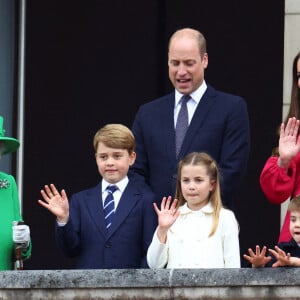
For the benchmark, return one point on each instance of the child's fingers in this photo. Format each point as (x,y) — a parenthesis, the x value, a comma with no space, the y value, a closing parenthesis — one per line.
(156,208)
(174,204)
(168,202)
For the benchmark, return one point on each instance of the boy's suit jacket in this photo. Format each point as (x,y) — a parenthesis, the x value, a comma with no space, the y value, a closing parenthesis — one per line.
(220,127)
(288,247)
(124,244)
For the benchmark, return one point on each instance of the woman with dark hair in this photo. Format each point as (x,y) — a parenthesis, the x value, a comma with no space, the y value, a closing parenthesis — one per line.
(280,177)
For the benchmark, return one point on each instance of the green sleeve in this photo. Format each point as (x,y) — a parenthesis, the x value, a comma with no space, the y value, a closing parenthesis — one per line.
(26,253)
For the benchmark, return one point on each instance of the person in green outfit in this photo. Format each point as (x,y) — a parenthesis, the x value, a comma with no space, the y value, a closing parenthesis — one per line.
(12,233)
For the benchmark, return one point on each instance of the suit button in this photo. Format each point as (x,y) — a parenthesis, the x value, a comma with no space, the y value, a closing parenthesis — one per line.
(107,245)
(174,176)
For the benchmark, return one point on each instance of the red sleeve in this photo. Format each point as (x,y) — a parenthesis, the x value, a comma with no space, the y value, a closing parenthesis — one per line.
(277,183)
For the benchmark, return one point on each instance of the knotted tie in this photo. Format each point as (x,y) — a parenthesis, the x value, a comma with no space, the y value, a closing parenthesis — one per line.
(182,123)
(109,205)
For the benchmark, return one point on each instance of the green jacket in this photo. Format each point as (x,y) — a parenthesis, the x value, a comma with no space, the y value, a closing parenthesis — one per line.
(9,212)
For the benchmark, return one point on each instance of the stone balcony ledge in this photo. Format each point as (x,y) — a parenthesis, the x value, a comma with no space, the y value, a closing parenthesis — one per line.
(146,284)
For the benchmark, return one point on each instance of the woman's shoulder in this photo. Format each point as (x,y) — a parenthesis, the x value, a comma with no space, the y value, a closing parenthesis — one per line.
(5,176)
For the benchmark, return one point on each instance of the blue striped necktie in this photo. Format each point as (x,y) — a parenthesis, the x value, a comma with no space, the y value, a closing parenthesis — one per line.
(109,205)
(182,123)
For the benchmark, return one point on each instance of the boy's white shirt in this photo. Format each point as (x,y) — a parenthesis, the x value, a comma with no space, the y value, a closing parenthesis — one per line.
(121,185)
(188,244)
(117,194)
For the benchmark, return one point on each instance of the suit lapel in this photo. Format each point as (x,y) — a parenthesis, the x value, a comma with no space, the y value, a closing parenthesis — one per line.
(95,208)
(199,117)
(128,200)
(167,123)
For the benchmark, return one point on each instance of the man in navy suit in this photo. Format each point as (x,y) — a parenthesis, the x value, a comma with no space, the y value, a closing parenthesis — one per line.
(112,234)
(218,123)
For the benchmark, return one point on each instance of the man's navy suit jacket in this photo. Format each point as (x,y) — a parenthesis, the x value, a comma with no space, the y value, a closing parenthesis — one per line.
(219,127)
(124,244)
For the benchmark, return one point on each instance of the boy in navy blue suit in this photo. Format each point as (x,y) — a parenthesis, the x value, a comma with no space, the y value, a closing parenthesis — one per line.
(106,235)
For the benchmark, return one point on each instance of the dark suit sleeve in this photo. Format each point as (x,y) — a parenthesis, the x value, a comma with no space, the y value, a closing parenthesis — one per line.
(68,236)
(235,151)
(141,163)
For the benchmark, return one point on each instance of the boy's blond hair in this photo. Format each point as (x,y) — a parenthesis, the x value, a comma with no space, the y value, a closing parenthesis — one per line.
(294,204)
(115,136)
